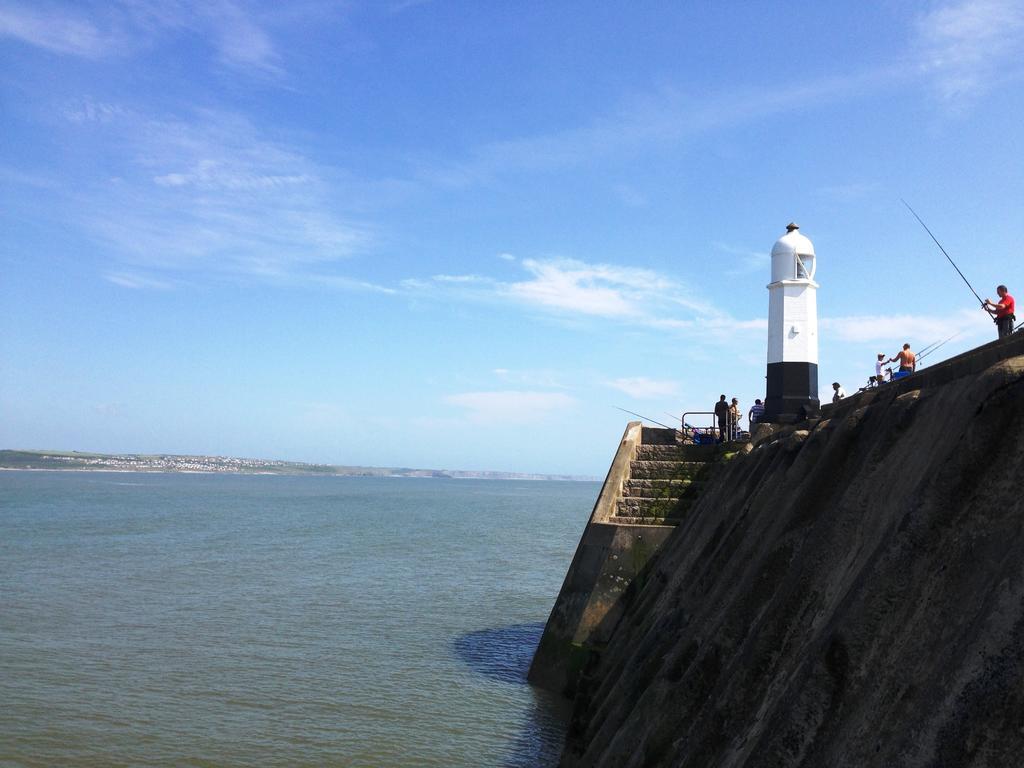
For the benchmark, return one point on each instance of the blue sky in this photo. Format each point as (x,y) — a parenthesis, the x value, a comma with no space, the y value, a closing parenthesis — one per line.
(455,234)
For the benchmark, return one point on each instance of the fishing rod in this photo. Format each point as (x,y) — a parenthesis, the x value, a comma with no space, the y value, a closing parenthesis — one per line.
(680,418)
(666,426)
(934,346)
(921,353)
(980,301)
(926,350)
(925,354)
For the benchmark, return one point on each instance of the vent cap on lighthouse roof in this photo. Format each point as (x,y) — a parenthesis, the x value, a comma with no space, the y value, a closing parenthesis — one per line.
(793,256)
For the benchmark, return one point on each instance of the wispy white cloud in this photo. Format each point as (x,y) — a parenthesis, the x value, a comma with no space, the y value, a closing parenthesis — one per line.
(91,111)
(531,378)
(239,40)
(575,289)
(748,259)
(602,290)
(55,28)
(464,279)
(138,281)
(124,28)
(962,47)
(210,194)
(399,6)
(649,122)
(896,329)
(26,179)
(643,388)
(211,175)
(308,279)
(571,285)
(511,406)
(968,46)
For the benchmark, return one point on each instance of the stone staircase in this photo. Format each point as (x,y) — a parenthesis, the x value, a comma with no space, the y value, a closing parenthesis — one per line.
(664,479)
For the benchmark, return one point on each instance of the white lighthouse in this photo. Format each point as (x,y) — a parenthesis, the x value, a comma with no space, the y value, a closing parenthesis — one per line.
(792,329)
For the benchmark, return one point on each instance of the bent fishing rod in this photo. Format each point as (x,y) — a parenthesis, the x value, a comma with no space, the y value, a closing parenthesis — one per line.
(666,426)
(980,301)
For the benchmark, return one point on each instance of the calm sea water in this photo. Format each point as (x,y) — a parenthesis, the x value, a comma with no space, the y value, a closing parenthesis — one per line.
(206,620)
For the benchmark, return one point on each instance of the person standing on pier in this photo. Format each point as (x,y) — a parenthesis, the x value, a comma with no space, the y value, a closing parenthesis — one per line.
(1002,311)
(722,414)
(879,375)
(734,419)
(756,411)
(906,358)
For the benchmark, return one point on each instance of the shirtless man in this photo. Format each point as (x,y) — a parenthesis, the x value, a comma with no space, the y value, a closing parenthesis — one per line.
(906,359)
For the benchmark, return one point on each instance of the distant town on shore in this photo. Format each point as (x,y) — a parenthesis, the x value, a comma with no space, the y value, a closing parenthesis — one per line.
(134,462)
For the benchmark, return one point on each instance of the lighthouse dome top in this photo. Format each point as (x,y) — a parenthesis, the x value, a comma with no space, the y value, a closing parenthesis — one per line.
(793,243)
(793,256)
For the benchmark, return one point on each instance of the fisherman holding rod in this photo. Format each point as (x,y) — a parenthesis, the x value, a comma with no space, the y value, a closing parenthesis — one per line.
(1002,311)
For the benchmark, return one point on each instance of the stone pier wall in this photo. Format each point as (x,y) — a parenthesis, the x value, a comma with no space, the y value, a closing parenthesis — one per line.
(610,557)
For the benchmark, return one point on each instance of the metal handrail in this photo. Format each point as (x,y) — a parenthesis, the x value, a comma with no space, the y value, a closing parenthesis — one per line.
(685,425)
(732,427)
(698,413)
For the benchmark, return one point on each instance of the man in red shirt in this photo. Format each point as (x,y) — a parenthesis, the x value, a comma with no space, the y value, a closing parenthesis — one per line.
(1002,311)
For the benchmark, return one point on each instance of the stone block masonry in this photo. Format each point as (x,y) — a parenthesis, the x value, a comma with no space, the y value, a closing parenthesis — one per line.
(651,485)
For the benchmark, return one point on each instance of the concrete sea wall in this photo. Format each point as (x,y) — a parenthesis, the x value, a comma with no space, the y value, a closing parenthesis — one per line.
(849,593)
(608,559)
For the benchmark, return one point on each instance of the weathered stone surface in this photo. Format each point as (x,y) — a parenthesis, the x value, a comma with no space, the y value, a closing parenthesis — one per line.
(657,488)
(849,597)
(645,520)
(665,469)
(646,506)
(761,433)
(691,453)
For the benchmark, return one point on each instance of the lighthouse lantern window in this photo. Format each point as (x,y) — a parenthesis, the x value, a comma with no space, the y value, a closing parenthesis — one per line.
(804,266)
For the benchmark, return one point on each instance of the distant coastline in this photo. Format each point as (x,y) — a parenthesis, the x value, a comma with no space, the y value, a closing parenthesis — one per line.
(78,461)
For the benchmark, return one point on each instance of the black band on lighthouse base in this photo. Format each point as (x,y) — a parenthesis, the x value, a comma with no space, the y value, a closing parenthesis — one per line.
(792,391)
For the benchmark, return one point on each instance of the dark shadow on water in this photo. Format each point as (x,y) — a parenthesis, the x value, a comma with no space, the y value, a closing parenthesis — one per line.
(504,654)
